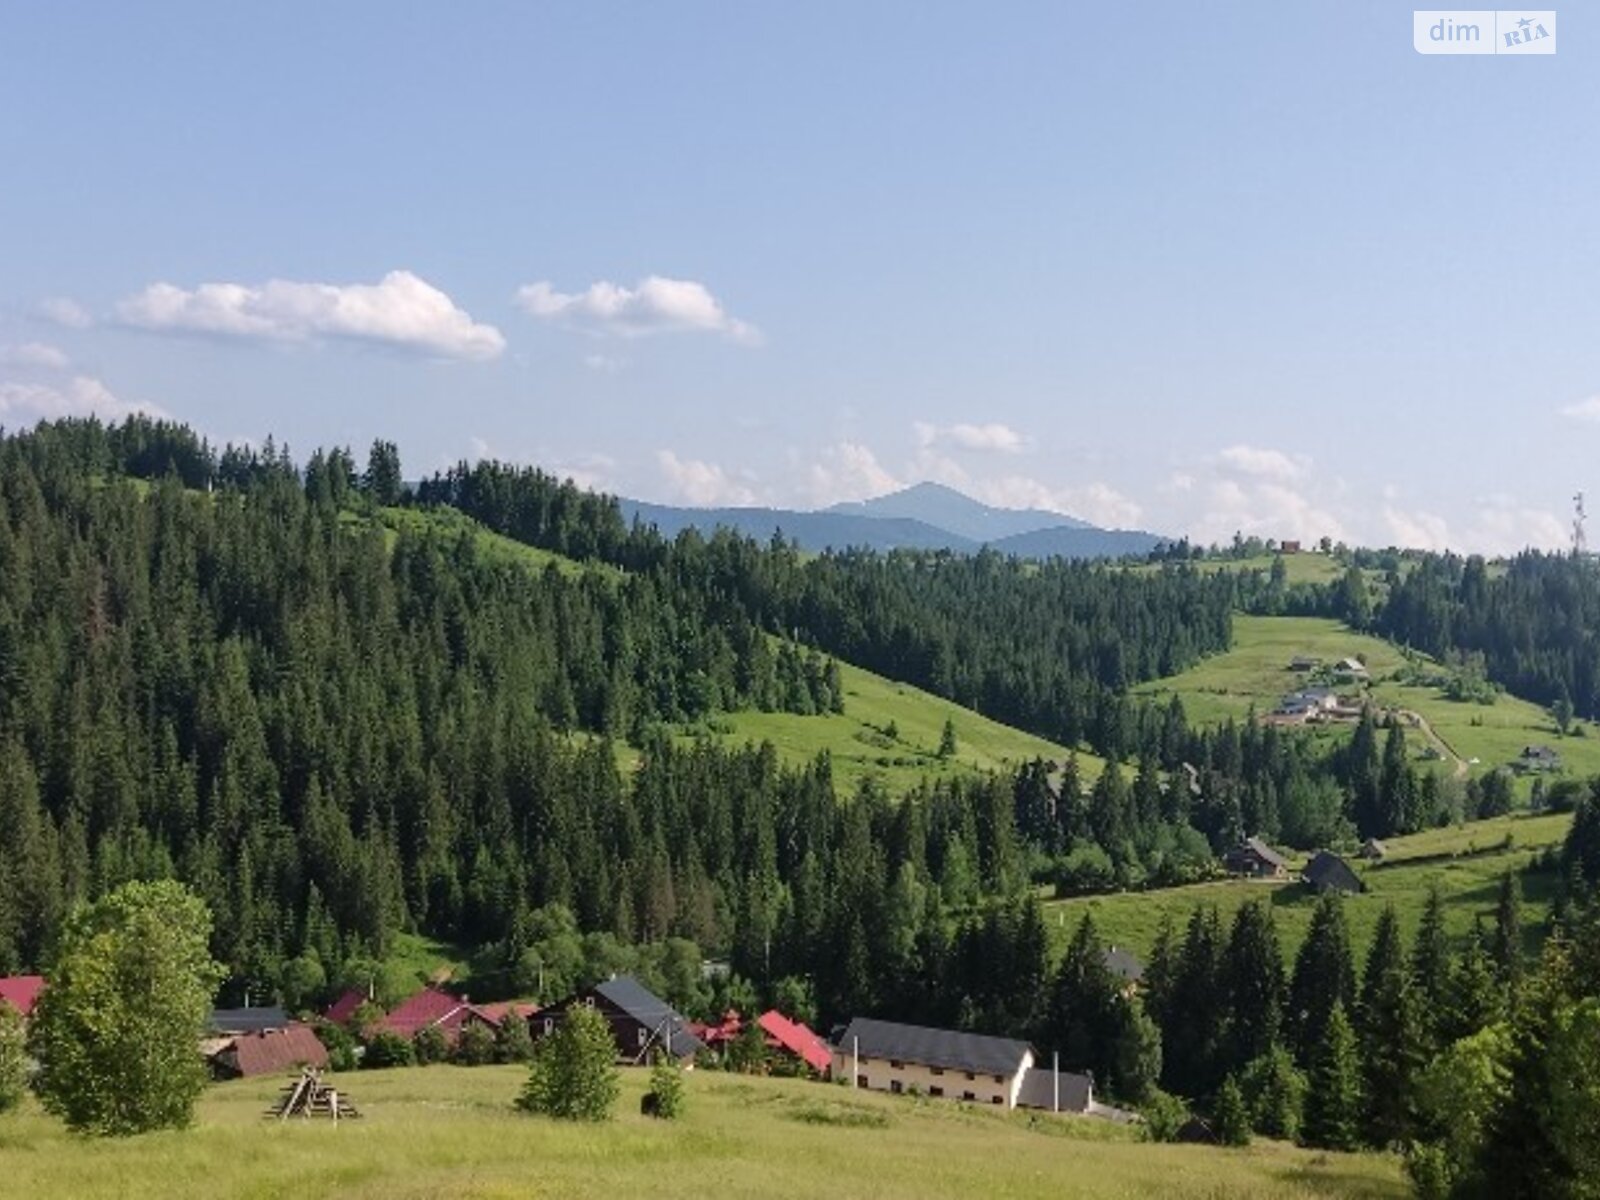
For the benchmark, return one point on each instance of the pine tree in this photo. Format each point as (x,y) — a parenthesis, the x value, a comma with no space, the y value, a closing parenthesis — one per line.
(1333,1095)
(1191,1036)
(1506,949)
(1231,1115)
(1324,976)
(1253,978)
(947,739)
(1430,970)
(1391,1037)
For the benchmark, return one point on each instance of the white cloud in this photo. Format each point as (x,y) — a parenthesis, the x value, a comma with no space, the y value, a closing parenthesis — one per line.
(702,484)
(1255,462)
(1584,410)
(848,471)
(653,305)
(80,396)
(34,354)
(991,437)
(400,311)
(65,312)
(1096,502)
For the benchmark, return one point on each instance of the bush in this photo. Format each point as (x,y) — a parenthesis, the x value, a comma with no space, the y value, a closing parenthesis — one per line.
(475,1047)
(430,1046)
(573,1076)
(387,1050)
(1087,869)
(1164,1115)
(13,1058)
(666,1085)
(340,1044)
(1275,1092)
(513,1043)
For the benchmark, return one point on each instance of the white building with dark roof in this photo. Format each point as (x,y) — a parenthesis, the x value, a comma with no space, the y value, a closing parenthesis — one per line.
(886,1056)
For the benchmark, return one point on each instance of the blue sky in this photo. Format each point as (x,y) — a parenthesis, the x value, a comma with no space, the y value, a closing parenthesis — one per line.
(1195,268)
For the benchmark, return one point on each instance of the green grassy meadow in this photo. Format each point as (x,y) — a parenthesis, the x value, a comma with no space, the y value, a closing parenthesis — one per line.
(1306,567)
(1254,675)
(858,745)
(1466,863)
(451,1132)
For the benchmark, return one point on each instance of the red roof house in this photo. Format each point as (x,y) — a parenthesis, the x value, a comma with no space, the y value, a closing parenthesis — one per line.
(345,1007)
(21,992)
(495,1014)
(432,1008)
(272,1052)
(720,1033)
(795,1038)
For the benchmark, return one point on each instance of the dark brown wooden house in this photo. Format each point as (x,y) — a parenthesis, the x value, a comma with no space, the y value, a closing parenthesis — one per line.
(640,1021)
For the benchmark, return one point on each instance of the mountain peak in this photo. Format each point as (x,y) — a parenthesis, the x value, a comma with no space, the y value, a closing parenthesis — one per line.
(945,507)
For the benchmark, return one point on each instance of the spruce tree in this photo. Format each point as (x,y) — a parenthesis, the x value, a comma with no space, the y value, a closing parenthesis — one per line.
(1253,979)
(1506,948)
(1324,976)
(1430,970)
(1391,1037)
(1333,1095)
(1231,1115)
(1195,1016)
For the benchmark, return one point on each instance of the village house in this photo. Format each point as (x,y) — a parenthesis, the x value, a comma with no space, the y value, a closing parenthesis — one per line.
(1327,872)
(640,1022)
(1255,858)
(1303,663)
(886,1056)
(268,1052)
(343,1010)
(1350,670)
(433,1008)
(1124,967)
(795,1040)
(21,992)
(231,1022)
(1373,850)
(1537,759)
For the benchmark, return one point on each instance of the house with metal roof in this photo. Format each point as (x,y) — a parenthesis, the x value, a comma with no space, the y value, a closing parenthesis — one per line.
(640,1021)
(21,992)
(794,1038)
(1254,857)
(1126,967)
(230,1022)
(269,1052)
(1327,872)
(887,1056)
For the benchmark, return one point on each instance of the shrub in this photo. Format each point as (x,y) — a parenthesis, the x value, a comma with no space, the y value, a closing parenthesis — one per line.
(1275,1092)
(13,1058)
(387,1050)
(475,1047)
(666,1084)
(1164,1115)
(430,1046)
(513,1043)
(573,1076)
(340,1044)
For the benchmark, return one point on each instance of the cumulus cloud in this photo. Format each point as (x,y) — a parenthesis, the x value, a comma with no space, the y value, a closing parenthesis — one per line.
(1256,462)
(65,312)
(653,305)
(400,311)
(1497,525)
(991,437)
(34,354)
(79,396)
(848,471)
(1584,410)
(703,484)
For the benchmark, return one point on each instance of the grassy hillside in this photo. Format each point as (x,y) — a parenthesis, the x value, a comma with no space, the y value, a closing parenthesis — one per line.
(1468,881)
(859,745)
(451,1132)
(1298,568)
(1254,674)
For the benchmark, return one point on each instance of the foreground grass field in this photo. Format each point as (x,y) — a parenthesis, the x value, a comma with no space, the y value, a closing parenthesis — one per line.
(1469,884)
(451,1132)
(1254,675)
(858,743)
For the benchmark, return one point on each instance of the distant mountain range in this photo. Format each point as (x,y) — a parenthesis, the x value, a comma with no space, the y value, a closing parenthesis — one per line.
(927,516)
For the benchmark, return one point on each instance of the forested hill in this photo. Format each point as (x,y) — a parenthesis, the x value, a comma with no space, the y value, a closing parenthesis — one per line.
(215,666)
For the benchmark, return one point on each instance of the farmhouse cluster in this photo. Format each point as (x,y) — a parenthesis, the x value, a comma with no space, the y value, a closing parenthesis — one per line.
(884,1056)
(1331,692)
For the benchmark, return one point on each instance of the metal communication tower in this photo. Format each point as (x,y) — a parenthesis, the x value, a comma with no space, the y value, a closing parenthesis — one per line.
(1580,538)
